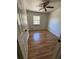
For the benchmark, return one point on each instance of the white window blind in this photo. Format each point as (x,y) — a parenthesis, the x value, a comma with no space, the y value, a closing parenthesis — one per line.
(36,20)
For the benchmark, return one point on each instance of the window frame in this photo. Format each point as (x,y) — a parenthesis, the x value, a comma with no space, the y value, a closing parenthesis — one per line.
(36,20)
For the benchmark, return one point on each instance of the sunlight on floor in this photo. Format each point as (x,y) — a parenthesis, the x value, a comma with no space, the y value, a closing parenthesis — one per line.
(36,36)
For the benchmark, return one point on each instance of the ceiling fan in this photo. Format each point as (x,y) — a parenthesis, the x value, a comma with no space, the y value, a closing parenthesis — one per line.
(44,5)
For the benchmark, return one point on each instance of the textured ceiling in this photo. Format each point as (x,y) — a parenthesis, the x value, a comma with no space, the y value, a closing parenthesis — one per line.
(32,5)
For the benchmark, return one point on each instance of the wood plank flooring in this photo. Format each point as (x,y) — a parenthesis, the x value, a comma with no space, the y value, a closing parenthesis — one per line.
(41,45)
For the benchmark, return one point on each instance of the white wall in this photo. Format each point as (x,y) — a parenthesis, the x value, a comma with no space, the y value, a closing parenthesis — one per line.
(54,25)
(43,20)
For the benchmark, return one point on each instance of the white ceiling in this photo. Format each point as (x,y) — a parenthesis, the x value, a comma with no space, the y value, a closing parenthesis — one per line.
(32,5)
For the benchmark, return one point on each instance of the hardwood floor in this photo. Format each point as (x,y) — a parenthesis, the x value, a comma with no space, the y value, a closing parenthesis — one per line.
(42,45)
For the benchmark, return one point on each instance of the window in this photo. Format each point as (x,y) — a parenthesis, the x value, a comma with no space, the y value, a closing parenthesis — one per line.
(36,20)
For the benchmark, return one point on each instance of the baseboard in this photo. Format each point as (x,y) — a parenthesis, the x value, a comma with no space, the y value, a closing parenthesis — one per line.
(39,30)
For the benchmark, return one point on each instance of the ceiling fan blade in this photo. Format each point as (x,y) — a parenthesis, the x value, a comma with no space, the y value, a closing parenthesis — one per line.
(41,9)
(49,7)
(45,9)
(44,3)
